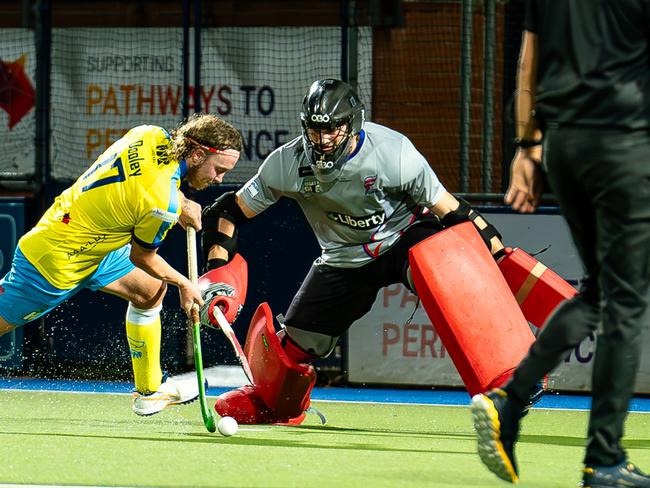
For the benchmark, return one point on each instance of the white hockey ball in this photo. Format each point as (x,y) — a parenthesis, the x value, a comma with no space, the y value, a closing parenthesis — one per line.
(227,426)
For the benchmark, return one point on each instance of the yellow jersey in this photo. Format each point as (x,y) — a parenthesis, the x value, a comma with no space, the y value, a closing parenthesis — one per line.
(131,192)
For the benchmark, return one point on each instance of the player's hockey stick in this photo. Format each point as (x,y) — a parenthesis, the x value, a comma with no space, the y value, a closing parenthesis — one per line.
(206,413)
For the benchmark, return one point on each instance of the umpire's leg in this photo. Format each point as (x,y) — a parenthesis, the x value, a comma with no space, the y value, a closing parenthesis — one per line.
(622,205)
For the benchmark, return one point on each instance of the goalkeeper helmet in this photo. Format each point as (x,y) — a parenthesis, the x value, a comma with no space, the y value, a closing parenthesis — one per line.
(332,115)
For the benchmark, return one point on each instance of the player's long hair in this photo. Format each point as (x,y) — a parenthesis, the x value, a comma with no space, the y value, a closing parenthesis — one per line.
(206,129)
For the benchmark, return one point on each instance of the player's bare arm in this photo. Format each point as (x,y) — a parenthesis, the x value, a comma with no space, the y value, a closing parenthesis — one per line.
(149,261)
(451,211)
(190,213)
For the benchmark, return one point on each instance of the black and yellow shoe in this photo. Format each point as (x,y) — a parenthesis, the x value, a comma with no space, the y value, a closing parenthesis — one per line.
(496,421)
(622,475)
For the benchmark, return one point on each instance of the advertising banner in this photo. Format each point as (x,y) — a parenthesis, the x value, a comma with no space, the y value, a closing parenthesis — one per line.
(105,81)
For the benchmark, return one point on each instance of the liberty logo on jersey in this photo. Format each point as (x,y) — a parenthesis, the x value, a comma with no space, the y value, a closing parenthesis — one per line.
(363,222)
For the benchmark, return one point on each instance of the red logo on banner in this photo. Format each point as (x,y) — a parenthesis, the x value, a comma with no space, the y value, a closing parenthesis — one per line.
(2,290)
(16,91)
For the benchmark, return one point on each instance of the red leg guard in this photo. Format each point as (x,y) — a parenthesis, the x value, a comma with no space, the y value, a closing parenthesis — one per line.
(470,305)
(538,289)
(282,389)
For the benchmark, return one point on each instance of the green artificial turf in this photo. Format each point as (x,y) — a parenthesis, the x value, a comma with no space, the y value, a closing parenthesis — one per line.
(95,440)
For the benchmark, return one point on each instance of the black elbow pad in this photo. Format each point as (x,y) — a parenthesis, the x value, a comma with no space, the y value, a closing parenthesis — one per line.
(224,207)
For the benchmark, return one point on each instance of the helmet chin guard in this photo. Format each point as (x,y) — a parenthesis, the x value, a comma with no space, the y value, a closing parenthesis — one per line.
(330,105)
(327,166)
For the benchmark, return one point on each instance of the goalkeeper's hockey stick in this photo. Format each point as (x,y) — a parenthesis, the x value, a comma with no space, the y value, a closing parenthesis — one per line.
(206,413)
(230,334)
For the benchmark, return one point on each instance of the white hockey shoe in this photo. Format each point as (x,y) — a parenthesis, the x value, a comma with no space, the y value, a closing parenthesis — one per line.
(170,392)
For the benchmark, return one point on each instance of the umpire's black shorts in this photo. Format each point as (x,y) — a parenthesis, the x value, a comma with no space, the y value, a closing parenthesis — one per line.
(331,299)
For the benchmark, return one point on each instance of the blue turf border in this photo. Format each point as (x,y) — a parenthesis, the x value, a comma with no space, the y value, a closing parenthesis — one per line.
(372,395)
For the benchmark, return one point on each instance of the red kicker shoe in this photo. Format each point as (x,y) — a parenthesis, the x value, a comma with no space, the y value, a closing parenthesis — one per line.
(247,407)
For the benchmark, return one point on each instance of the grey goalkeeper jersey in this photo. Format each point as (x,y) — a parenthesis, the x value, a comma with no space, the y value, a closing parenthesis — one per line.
(385,185)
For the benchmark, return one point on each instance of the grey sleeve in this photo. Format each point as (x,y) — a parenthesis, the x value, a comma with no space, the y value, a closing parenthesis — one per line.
(417,178)
(260,192)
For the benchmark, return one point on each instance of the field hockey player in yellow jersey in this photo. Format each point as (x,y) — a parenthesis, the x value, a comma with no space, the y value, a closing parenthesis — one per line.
(103,232)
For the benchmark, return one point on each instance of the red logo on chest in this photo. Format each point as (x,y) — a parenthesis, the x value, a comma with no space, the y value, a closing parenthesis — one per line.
(369,183)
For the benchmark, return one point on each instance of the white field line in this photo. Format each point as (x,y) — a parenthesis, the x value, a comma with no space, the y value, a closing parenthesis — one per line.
(57,486)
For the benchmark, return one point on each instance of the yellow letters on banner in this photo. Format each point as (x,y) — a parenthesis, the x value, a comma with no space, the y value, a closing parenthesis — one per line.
(152,99)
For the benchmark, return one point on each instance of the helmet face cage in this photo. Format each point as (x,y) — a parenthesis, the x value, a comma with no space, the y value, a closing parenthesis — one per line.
(330,105)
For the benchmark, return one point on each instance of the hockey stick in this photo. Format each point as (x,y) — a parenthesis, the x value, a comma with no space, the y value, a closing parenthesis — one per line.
(230,334)
(195,323)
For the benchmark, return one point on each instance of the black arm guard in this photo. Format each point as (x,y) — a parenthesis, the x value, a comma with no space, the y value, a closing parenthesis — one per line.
(465,213)
(224,207)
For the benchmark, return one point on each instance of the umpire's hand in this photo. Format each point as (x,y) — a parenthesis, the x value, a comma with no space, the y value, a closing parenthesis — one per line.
(526,181)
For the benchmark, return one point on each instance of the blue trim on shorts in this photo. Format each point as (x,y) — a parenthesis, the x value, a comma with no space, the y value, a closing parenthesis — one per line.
(27,295)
